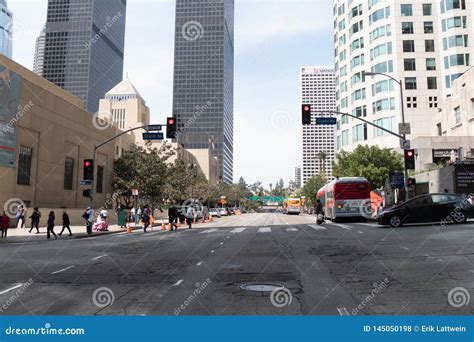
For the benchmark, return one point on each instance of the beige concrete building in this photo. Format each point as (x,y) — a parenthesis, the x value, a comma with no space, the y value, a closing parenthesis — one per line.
(45,135)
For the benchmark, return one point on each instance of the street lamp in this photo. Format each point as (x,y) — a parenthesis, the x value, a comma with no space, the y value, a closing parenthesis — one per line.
(399,82)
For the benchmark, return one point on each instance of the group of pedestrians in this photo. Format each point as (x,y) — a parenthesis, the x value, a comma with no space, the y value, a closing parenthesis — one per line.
(35,220)
(174,215)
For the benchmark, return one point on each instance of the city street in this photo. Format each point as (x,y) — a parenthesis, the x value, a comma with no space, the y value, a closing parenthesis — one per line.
(337,269)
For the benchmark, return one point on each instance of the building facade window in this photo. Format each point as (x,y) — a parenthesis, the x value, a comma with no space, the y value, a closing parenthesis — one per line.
(430,64)
(68,174)
(457,115)
(408,46)
(24,165)
(409,64)
(407,27)
(432,83)
(406,10)
(427,9)
(429,45)
(410,83)
(428,27)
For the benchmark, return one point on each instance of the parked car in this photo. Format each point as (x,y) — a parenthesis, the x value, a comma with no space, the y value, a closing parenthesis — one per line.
(223,212)
(441,207)
(214,212)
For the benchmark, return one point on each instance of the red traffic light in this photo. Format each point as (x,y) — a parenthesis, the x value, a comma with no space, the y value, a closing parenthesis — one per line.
(87,163)
(306,108)
(170,121)
(409,153)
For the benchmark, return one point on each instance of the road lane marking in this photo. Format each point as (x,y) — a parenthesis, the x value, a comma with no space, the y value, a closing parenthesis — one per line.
(405,248)
(99,257)
(64,269)
(343,312)
(316,227)
(237,230)
(199,263)
(265,230)
(178,282)
(11,288)
(228,237)
(291,229)
(343,226)
(221,243)
(209,231)
(367,224)
(360,232)
(213,251)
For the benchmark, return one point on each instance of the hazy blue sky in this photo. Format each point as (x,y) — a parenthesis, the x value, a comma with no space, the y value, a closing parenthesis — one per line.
(273,39)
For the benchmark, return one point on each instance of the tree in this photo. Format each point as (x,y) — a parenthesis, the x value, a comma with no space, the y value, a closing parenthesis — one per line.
(370,162)
(322,156)
(311,187)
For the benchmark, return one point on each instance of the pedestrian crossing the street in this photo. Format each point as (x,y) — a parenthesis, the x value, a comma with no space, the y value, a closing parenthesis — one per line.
(292,229)
(208,231)
(265,230)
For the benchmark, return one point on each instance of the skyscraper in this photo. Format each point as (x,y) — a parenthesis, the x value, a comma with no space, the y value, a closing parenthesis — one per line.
(39,53)
(421,44)
(298,176)
(84,47)
(6,29)
(203,87)
(318,90)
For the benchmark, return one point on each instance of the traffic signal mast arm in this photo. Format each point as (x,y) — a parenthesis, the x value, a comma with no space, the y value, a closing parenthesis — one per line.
(367,122)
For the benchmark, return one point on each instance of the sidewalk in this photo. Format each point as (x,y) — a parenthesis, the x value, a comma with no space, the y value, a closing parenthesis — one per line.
(80,231)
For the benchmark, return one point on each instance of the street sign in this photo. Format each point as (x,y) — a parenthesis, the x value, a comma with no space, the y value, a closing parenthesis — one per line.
(326,121)
(153,136)
(404,128)
(404,144)
(154,128)
(397,180)
(86,182)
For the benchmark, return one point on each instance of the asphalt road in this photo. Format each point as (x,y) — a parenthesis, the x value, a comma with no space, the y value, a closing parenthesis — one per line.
(338,269)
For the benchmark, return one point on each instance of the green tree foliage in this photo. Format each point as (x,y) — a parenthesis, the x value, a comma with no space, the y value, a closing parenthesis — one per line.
(311,187)
(370,162)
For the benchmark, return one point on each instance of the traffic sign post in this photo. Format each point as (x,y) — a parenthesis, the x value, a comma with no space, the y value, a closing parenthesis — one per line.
(86,181)
(154,128)
(404,128)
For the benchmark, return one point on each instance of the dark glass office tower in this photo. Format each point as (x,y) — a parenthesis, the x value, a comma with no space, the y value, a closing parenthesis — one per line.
(84,47)
(203,92)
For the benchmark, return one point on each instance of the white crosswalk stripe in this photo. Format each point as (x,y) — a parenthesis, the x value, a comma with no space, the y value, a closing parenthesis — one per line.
(343,226)
(265,230)
(367,224)
(316,227)
(209,231)
(291,229)
(237,230)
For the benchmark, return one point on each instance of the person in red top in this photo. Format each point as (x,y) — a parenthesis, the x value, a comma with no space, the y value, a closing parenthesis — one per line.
(4,224)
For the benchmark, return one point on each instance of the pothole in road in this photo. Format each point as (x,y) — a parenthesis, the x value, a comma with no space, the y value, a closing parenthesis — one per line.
(261,287)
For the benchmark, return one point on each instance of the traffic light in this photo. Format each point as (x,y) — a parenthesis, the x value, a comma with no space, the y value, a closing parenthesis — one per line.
(171,128)
(411,182)
(410,159)
(86,193)
(306,114)
(88,169)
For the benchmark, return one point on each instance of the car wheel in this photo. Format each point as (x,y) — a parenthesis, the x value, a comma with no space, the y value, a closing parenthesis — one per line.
(395,221)
(459,217)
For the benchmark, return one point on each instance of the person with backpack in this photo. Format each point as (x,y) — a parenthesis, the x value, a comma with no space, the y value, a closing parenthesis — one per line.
(88,216)
(173,214)
(66,223)
(319,212)
(50,230)
(190,216)
(35,219)
(146,218)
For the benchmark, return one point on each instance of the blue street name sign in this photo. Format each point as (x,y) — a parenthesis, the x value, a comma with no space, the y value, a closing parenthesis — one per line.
(154,127)
(153,136)
(326,121)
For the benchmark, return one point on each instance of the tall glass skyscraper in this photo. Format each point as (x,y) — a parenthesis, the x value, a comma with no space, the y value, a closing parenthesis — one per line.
(84,47)
(203,92)
(6,29)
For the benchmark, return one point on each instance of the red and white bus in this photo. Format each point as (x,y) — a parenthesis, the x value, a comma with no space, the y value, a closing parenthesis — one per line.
(346,197)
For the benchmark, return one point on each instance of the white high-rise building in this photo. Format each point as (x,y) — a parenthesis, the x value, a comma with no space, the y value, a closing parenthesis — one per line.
(39,53)
(423,44)
(318,90)
(298,177)
(6,30)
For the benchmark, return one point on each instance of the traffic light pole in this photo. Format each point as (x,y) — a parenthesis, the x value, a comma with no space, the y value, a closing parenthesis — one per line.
(96,147)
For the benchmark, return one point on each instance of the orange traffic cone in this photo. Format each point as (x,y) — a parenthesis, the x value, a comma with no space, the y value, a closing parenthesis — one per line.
(163,227)
(210,218)
(170,226)
(129,228)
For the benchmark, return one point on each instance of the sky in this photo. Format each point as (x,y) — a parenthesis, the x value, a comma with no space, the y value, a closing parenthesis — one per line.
(273,40)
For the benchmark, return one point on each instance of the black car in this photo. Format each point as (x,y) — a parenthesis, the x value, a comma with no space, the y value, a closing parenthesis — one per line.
(441,208)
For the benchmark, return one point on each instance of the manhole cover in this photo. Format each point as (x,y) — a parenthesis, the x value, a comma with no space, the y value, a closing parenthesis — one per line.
(261,287)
